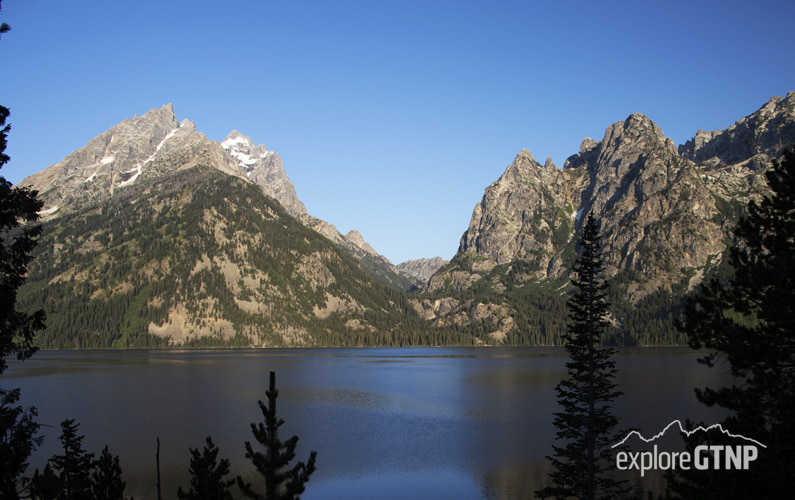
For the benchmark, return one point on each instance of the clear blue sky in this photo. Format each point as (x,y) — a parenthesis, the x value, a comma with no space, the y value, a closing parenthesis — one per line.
(390,117)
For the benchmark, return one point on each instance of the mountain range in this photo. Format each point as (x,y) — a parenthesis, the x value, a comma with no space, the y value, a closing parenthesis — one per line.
(155,235)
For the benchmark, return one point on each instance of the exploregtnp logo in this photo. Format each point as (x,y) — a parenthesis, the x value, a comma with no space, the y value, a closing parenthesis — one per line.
(736,456)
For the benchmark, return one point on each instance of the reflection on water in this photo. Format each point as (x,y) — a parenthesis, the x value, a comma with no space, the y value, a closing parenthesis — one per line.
(464,423)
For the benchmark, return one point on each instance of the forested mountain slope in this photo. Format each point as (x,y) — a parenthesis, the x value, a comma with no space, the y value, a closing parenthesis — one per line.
(200,258)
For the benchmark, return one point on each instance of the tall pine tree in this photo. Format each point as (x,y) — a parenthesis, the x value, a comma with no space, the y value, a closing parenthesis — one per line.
(281,483)
(749,324)
(586,424)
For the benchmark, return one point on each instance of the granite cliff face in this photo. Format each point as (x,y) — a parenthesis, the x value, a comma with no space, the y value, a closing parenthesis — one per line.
(665,212)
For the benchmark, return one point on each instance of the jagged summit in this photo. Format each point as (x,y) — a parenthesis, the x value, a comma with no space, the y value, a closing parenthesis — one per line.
(356,238)
(265,169)
(149,146)
(767,131)
(512,208)
(114,159)
(155,145)
(662,210)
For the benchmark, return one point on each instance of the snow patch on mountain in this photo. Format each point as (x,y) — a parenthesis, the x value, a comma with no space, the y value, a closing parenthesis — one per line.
(138,169)
(229,142)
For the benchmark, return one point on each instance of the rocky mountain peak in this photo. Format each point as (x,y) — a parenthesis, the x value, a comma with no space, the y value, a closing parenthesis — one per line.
(114,159)
(421,269)
(357,239)
(765,132)
(626,141)
(163,118)
(629,150)
(587,145)
(265,169)
(663,211)
(513,207)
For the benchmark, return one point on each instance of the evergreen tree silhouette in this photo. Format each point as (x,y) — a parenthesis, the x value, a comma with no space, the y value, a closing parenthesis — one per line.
(748,323)
(106,481)
(72,469)
(75,475)
(207,475)
(281,483)
(18,439)
(587,423)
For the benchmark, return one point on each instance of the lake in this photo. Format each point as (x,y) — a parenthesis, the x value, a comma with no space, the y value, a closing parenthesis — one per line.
(387,423)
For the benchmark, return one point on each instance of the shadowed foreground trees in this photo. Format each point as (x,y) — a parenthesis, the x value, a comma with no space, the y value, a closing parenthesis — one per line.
(76,475)
(749,324)
(587,424)
(281,482)
(18,439)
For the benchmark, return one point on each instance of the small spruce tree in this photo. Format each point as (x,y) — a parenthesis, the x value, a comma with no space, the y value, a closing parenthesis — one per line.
(281,483)
(207,475)
(586,424)
(106,481)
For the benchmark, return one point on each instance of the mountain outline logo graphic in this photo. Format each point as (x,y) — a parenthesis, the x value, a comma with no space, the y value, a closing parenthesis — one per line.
(688,433)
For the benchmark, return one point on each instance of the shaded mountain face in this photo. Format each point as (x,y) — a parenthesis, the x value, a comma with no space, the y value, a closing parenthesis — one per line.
(665,213)
(156,145)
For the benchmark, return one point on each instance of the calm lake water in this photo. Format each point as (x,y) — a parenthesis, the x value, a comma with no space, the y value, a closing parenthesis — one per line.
(391,423)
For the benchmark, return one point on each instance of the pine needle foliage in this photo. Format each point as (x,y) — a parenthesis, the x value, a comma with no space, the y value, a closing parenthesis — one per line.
(106,481)
(281,482)
(586,425)
(207,475)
